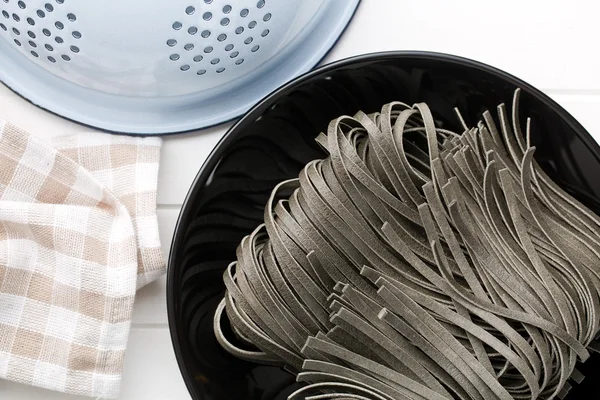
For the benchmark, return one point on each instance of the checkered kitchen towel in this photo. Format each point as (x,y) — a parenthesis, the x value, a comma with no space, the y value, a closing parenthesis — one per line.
(78,236)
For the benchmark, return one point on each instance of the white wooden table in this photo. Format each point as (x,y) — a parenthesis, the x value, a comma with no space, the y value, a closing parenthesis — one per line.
(543,42)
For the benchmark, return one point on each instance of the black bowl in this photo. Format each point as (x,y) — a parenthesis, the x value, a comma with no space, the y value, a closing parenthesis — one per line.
(274,141)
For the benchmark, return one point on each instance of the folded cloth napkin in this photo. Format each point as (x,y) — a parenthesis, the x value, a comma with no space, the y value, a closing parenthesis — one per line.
(78,237)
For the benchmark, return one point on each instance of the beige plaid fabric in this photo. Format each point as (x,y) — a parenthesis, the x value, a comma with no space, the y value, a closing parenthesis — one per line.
(78,236)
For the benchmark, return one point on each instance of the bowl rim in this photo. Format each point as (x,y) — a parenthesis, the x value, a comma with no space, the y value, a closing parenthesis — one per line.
(257,110)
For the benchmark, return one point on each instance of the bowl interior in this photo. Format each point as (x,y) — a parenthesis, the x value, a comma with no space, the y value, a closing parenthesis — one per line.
(276,139)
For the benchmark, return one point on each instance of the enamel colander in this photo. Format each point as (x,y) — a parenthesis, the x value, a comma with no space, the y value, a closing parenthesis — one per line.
(161,66)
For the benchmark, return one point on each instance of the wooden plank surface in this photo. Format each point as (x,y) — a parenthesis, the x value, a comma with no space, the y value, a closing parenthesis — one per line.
(545,43)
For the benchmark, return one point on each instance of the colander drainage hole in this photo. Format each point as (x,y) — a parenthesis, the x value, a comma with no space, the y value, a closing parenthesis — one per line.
(215,61)
(174,57)
(208,49)
(229,47)
(76,34)
(33,53)
(17,42)
(260,4)
(171,42)
(222,37)
(225,21)
(267,17)
(238,62)
(30,21)
(6,15)
(177,25)
(59,40)
(60,1)
(207,16)
(66,57)
(48,47)
(192,30)
(41,14)
(244,13)
(265,33)
(252,24)
(205,33)
(16,31)
(201,72)
(255,48)
(71,17)
(46,32)
(190,10)
(74,49)
(16,17)
(189,46)
(49,7)
(31,34)
(22,5)
(220,70)
(185,67)
(249,40)
(59,25)
(239,30)
(32,44)
(227,9)
(51,59)
(3,26)
(198,58)
(234,54)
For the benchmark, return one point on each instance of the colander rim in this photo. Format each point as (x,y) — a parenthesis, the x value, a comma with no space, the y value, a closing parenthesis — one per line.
(168,131)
